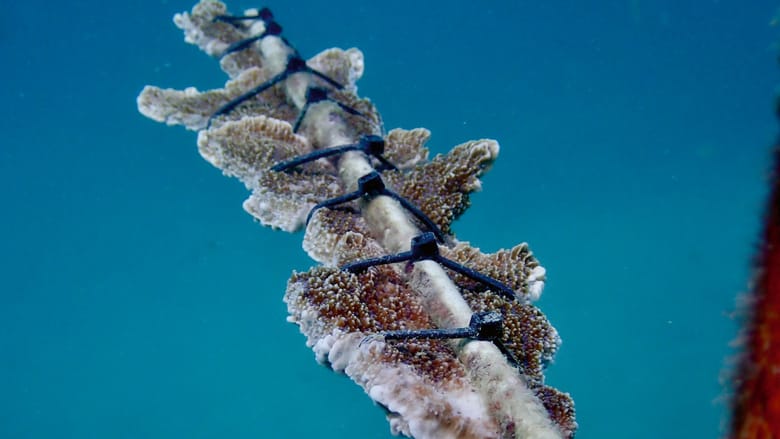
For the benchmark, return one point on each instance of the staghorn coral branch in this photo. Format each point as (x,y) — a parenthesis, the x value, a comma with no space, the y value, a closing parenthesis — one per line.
(430,388)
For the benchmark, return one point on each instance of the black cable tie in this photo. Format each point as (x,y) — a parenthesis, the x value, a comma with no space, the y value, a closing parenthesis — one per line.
(295,64)
(316,94)
(368,185)
(271,28)
(423,248)
(227,108)
(371,185)
(313,96)
(370,145)
(264,14)
(483,326)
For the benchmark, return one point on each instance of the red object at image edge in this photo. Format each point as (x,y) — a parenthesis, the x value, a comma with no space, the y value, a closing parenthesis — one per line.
(756,404)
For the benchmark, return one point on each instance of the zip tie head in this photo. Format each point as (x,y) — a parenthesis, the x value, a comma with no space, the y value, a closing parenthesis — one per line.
(372,145)
(487,326)
(272,28)
(424,246)
(371,184)
(316,94)
(296,64)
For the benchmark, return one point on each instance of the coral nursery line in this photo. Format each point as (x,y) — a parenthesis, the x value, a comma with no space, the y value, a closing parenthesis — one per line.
(443,337)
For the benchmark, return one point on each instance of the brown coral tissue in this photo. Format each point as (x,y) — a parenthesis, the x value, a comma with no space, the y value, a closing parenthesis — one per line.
(394,301)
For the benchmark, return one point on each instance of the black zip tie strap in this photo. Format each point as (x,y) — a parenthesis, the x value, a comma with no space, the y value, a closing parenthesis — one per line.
(483,326)
(424,248)
(371,185)
(271,28)
(370,145)
(295,64)
(319,94)
(264,14)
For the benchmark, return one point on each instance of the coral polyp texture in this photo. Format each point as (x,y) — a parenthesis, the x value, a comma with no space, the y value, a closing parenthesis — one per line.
(443,337)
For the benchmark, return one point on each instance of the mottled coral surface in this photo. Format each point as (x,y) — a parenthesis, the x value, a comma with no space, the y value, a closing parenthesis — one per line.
(425,388)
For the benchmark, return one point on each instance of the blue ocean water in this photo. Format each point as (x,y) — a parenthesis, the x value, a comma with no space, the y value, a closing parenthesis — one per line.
(140,301)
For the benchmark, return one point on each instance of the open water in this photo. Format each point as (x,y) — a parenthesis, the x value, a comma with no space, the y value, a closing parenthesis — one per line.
(138,300)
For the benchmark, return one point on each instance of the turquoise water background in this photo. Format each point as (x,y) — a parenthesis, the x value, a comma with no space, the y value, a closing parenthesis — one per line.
(139,301)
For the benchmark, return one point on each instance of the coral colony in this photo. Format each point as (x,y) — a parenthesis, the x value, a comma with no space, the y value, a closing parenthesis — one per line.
(440,335)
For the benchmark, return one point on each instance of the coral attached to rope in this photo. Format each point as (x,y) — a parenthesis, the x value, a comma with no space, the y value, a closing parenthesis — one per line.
(443,337)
